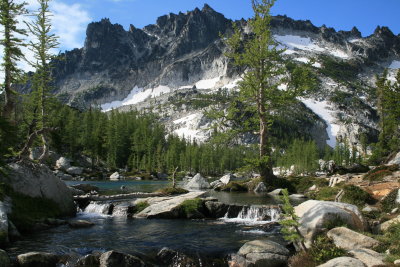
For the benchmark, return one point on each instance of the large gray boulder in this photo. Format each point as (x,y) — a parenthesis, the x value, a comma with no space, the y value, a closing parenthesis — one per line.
(166,207)
(263,253)
(349,239)
(4,259)
(115,176)
(198,182)
(316,215)
(395,160)
(383,227)
(369,257)
(63,163)
(75,170)
(226,179)
(118,259)
(37,259)
(37,180)
(343,262)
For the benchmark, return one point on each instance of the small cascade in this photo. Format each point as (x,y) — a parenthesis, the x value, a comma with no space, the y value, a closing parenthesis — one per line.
(255,215)
(99,208)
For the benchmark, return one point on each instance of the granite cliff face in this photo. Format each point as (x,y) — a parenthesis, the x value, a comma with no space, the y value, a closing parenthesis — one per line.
(181,58)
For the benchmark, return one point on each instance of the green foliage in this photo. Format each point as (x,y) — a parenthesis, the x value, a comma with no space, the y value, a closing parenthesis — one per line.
(390,240)
(235,187)
(290,225)
(27,210)
(378,173)
(191,205)
(337,221)
(303,155)
(140,206)
(172,191)
(389,202)
(302,259)
(356,196)
(323,250)
(325,193)
(301,184)
(339,70)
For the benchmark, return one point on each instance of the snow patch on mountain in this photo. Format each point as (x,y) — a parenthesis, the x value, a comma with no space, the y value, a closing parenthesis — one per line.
(306,61)
(395,65)
(190,128)
(294,42)
(137,95)
(207,84)
(322,109)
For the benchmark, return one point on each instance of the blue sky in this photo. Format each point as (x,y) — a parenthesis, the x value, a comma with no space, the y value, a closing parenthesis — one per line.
(72,16)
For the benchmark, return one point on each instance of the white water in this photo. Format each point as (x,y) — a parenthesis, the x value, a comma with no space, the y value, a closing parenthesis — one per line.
(255,215)
(96,208)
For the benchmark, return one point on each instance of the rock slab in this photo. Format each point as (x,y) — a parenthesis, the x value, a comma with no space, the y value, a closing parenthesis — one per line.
(369,257)
(343,262)
(37,259)
(349,240)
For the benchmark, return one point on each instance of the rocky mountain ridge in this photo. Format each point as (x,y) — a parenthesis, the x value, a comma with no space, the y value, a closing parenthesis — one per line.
(182,56)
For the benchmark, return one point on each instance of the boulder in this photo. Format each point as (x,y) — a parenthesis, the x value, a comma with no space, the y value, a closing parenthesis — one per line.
(349,239)
(75,170)
(398,197)
(216,209)
(63,163)
(162,176)
(264,253)
(4,259)
(396,262)
(198,182)
(37,259)
(37,180)
(3,223)
(297,196)
(369,257)
(343,262)
(88,261)
(395,160)
(276,192)
(315,215)
(76,192)
(64,176)
(216,184)
(169,257)
(260,188)
(228,178)
(166,207)
(368,208)
(118,259)
(115,176)
(80,224)
(383,227)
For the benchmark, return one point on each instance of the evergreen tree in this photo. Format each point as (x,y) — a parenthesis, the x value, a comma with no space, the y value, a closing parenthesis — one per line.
(12,43)
(265,72)
(41,28)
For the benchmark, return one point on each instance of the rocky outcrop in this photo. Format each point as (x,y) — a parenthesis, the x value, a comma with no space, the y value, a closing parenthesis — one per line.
(166,207)
(118,259)
(343,262)
(63,164)
(395,160)
(88,261)
(260,253)
(349,240)
(369,257)
(383,227)
(260,188)
(75,170)
(316,215)
(37,259)
(198,182)
(3,223)
(36,180)
(115,176)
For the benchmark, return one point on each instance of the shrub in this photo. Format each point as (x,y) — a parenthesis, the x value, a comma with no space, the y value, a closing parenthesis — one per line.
(302,259)
(235,187)
(140,206)
(333,223)
(380,172)
(326,193)
(301,184)
(356,196)
(390,241)
(172,191)
(191,205)
(323,250)
(389,202)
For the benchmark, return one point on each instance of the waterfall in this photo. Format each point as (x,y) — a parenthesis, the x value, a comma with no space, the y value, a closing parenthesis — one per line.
(255,215)
(98,208)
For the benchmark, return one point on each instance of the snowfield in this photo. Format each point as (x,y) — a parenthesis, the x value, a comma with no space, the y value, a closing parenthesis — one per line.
(137,95)
(190,128)
(322,109)
(293,42)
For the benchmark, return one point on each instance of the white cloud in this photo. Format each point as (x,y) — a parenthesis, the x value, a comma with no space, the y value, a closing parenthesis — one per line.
(69,22)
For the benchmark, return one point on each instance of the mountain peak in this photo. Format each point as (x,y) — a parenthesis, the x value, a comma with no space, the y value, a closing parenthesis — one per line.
(207,8)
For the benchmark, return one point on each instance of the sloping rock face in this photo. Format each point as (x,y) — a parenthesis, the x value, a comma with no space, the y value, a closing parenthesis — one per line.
(343,262)
(37,180)
(261,253)
(166,207)
(348,239)
(315,215)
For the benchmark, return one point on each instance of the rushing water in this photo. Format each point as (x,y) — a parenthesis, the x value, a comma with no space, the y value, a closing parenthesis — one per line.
(146,237)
